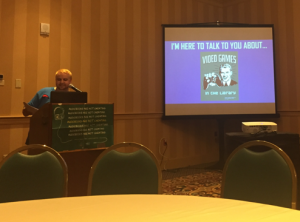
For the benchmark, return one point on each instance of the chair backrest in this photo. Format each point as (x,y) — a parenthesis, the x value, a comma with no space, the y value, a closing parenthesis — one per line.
(267,177)
(115,172)
(30,177)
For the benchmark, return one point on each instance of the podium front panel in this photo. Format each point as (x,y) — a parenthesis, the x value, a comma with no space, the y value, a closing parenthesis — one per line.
(82,126)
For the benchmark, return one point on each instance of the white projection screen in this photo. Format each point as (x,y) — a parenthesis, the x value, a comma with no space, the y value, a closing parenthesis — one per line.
(219,70)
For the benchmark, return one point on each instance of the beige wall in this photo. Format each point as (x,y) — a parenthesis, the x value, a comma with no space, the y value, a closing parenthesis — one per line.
(114,49)
(285,17)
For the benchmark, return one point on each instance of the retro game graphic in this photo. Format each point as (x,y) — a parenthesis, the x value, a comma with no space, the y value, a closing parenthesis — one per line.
(219,76)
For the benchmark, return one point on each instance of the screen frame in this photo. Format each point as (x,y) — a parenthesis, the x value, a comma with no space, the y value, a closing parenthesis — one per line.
(218,25)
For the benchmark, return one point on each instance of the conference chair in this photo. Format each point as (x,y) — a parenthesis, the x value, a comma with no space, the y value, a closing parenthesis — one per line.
(30,177)
(115,172)
(267,177)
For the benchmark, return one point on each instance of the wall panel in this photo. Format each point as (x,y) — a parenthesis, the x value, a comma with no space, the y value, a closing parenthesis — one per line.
(75,41)
(94,75)
(296,47)
(157,57)
(31,47)
(66,34)
(153,52)
(128,60)
(119,52)
(85,57)
(18,66)
(43,48)
(6,59)
(291,25)
(54,43)
(136,57)
(144,72)
(104,75)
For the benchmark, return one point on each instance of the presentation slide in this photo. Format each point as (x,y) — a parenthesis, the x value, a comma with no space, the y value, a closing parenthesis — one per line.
(224,71)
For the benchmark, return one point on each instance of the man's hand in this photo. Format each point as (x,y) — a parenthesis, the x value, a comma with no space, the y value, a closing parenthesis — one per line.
(26,112)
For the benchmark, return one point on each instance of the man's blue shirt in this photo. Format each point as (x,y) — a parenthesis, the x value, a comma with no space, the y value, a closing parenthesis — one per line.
(41,97)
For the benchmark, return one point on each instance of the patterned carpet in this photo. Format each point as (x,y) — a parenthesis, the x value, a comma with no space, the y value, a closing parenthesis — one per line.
(205,183)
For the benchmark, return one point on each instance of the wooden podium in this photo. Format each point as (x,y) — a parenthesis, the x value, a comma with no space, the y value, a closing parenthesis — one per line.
(79,132)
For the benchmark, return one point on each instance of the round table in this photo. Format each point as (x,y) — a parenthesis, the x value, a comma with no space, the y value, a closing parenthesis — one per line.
(139,208)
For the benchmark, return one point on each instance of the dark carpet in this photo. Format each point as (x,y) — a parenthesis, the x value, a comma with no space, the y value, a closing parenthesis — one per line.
(194,182)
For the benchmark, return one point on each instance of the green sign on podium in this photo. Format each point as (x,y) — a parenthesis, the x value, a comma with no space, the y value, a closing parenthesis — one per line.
(82,126)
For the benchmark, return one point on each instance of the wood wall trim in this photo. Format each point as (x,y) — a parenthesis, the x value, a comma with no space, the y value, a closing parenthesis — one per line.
(123,116)
(17,120)
(289,113)
(222,3)
(14,120)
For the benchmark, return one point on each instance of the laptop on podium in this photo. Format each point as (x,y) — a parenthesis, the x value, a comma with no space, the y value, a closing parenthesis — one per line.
(68,97)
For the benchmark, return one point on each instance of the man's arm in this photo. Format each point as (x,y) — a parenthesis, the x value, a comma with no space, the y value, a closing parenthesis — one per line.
(32,104)
(28,109)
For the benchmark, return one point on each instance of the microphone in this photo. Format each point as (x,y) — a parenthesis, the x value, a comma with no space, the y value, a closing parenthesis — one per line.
(74,88)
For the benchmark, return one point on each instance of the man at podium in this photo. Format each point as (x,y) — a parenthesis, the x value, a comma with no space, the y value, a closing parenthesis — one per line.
(63,79)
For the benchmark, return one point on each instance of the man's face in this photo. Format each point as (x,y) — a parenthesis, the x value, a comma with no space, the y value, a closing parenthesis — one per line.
(63,81)
(226,74)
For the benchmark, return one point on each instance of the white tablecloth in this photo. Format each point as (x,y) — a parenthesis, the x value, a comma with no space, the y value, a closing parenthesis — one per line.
(141,208)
